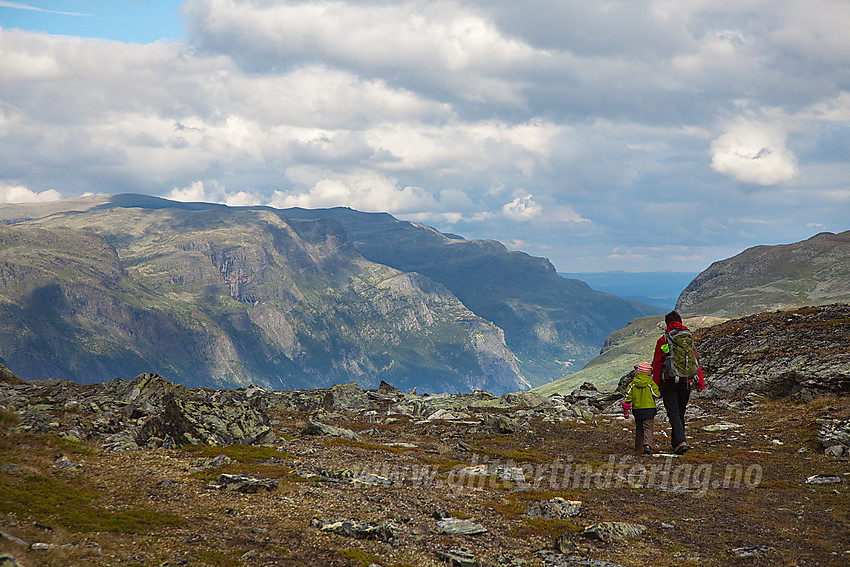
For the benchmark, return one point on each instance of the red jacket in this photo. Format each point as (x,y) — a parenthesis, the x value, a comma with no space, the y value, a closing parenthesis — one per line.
(658,358)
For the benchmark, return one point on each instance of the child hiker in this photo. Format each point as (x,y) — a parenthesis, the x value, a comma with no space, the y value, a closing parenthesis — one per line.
(640,400)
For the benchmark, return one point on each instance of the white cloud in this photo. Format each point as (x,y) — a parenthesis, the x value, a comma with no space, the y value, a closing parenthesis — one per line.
(755,153)
(437,110)
(21,194)
(522,208)
(445,44)
(194,193)
(361,189)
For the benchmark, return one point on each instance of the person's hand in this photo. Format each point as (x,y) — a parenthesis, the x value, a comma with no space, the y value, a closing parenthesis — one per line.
(626,407)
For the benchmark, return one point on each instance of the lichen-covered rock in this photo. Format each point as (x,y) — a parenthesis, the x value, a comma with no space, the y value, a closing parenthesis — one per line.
(497,423)
(552,559)
(317,428)
(456,526)
(210,423)
(606,531)
(7,560)
(356,529)
(243,483)
(835,433)
(556,508)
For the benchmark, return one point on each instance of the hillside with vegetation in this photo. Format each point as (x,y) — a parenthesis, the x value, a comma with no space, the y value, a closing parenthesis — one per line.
(815,271)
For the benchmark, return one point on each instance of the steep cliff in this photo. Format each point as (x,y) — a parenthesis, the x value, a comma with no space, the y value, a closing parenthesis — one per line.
(553,324)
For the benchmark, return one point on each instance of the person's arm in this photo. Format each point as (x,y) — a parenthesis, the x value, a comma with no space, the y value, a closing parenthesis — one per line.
(658,361)
(701,382)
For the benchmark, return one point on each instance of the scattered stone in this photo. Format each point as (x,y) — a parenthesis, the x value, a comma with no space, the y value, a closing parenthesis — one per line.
(552,559)
(497,423)
(835,451)
(243,483)
(751,551)
(722,426)
(458,558)
(605,531)
(317,428)
(565,544)
(556,508)
(455,526)
(218,461)
(63,463)
(356,529)
(502,472)
(120,442)
(823,479)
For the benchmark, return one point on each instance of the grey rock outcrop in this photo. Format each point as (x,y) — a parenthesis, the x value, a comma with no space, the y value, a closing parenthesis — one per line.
(763,354)
(834,436)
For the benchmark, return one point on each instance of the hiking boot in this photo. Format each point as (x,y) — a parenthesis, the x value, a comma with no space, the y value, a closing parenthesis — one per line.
(647,450)
(681,449)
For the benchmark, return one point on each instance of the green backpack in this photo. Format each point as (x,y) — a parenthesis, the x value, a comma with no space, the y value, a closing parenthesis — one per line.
(681,360)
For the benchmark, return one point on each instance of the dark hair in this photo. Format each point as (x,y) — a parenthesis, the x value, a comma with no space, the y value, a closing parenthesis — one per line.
(671,317)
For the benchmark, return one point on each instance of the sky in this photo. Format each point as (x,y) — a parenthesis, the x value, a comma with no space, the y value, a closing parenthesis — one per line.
(636,135)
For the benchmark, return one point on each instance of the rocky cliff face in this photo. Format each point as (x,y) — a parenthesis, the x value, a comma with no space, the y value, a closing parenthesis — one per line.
(231,297)
(801,353)
(766,278)
(553,324)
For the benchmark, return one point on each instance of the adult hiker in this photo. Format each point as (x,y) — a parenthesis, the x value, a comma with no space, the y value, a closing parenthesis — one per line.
(675,366)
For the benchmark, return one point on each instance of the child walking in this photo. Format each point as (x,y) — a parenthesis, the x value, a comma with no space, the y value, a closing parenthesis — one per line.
(640,400)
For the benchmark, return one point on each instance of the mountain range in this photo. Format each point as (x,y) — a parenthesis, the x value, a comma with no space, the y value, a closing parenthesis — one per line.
(208,295)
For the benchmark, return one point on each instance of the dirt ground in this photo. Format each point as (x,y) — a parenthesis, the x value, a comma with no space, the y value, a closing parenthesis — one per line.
(739,487)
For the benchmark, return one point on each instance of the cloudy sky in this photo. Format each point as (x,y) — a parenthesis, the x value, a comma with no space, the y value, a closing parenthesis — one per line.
(635,135)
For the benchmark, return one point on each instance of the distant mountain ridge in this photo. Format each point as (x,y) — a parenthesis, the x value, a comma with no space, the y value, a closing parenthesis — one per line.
(210,295)
(815,271)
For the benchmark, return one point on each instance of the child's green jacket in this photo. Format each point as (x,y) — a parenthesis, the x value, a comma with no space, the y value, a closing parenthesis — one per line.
(642,393)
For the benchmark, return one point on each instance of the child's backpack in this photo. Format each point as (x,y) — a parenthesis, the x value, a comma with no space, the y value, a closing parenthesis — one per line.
(681,360)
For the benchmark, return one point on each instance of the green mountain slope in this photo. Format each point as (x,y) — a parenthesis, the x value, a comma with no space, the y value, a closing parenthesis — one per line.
(218,296)
(623,349)
(815,271)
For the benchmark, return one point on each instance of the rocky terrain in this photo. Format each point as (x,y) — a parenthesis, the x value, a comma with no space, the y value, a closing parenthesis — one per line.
(148,472)
(815,271)
(114,285)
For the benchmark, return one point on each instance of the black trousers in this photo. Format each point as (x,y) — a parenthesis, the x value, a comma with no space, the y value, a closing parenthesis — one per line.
(675,397)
